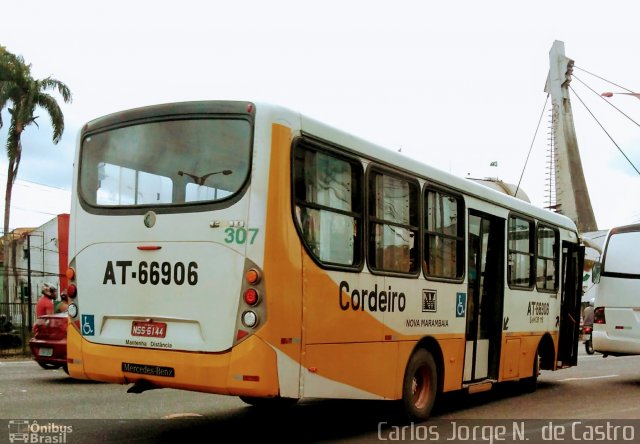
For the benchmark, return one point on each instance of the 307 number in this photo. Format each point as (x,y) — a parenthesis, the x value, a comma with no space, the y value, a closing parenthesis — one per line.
(240,235)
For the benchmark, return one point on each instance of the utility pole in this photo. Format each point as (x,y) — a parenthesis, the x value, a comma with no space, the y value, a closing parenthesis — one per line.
(29,308)
(572,195)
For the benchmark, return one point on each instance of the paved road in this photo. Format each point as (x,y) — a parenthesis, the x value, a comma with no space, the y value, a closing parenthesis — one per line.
(596,389)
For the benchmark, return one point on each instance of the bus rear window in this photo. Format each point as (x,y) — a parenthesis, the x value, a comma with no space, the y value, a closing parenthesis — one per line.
(622,255)
(165,162)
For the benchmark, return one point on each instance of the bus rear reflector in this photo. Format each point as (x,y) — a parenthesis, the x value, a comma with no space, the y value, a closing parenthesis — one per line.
(241,334)
(251,378)
(149,247)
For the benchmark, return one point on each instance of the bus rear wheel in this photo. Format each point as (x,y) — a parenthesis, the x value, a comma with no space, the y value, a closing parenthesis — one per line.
(420,385)
(49,366)
(529,384)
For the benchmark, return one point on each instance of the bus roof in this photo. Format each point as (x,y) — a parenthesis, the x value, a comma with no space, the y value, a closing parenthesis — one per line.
(435,175)
(355,144)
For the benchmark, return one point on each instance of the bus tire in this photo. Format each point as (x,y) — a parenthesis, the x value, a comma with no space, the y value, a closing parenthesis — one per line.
(276,402)
(420,385)
(48,366)
(529,384)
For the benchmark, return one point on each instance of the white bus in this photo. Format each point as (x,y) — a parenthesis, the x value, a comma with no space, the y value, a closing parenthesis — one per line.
(245,249)
(616,326)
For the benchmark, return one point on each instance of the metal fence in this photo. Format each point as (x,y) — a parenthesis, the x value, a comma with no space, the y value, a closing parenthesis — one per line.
(15,329)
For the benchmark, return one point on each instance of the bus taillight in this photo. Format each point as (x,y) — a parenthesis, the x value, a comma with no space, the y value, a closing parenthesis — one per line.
(252,276)
(598,316)
(252,307)
(72,291)
(251,296)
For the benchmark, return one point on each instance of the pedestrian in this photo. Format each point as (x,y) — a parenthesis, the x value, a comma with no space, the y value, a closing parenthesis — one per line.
(45,303)
(5,324)
(587,318)
(62,305)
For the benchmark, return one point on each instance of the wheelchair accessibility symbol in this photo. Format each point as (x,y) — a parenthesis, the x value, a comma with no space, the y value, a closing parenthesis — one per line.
(461,305)
(87,325)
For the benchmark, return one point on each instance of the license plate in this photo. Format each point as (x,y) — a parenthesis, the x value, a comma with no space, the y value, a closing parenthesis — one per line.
(149,329)
(45,352)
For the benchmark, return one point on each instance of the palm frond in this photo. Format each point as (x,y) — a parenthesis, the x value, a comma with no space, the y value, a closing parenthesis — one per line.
(25,94)
(14,69)
(63,89)
(55,113)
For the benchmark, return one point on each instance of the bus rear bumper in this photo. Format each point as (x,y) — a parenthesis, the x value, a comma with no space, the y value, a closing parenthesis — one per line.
(250,368)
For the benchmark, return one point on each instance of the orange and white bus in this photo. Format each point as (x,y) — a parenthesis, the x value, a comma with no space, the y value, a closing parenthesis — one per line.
(245,249)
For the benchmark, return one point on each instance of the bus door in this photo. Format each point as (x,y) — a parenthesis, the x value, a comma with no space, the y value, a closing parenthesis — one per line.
(485,296)
(572,272)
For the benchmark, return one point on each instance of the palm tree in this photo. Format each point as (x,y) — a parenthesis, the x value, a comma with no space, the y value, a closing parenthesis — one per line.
(25,94)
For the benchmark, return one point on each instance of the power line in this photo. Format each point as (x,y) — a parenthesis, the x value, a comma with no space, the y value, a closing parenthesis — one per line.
(19,271)
(607,101)
(605,131)
(15,207)
(531,147)
(26,185)
(601,78)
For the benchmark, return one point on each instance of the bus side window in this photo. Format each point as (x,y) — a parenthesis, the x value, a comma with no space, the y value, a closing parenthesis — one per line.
(443,235)
(521,247)
(393,223)
(327,205)
(547,263)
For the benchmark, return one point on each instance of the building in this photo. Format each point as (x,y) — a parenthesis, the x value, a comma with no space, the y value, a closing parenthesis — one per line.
(37,255)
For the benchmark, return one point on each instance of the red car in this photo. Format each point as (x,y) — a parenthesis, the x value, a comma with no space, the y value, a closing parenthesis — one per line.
(49,342)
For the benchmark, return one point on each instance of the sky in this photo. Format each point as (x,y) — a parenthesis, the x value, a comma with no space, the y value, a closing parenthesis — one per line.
(457,84)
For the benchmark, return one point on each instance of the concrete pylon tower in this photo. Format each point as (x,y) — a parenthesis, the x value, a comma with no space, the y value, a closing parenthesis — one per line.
(572,195)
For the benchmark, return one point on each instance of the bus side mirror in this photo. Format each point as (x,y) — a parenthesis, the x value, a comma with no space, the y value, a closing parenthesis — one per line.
(595,273)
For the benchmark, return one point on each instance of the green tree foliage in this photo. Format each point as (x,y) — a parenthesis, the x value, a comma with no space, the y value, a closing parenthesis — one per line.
(22,95)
